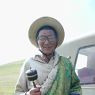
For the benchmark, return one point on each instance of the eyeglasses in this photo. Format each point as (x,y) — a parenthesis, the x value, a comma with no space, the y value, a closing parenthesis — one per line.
(51,39)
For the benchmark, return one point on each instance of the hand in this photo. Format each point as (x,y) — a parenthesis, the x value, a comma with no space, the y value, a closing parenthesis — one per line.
(34,91)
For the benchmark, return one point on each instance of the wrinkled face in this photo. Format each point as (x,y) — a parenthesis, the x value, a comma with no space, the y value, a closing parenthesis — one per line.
(47,41)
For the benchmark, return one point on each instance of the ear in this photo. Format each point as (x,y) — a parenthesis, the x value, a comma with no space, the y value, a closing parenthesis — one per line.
(56,44)
(37,42)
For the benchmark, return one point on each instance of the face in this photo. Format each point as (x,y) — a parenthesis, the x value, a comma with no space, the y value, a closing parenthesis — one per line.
(47,41)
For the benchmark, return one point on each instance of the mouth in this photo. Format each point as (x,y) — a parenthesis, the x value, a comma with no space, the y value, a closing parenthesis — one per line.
(47,47)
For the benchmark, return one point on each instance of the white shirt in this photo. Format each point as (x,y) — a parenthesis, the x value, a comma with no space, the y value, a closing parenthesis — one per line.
(46,74)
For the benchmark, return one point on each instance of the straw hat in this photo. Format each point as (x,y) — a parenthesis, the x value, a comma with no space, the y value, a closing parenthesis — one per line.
(45,21)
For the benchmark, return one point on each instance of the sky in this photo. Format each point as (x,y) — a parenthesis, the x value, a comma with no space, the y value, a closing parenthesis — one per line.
(16,16)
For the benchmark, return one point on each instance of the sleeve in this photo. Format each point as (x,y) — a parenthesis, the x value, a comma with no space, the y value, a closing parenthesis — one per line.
(75,88)
(21,85)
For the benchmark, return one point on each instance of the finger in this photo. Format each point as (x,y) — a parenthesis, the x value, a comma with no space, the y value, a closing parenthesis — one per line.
(33,90)
(36,93)
(38,86)
(37,89)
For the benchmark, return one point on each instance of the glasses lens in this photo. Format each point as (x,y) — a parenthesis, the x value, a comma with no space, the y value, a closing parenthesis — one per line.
(44,38)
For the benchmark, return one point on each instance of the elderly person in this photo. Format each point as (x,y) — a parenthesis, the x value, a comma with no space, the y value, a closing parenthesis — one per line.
(56,75)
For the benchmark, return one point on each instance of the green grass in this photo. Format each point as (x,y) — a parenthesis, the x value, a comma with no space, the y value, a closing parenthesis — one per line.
(8,76)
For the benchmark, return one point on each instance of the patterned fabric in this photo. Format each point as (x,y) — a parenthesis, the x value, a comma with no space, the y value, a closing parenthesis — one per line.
(66,82)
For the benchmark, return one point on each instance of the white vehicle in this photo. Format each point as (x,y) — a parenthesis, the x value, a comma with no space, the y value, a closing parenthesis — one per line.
(82,55)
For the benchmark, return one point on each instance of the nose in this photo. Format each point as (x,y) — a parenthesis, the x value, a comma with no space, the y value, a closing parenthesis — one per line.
(46,42)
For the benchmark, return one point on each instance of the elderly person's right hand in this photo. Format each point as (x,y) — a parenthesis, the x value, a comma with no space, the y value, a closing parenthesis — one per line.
(34,91)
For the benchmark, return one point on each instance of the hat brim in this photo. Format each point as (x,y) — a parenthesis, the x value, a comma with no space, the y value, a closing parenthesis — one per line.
(45,21)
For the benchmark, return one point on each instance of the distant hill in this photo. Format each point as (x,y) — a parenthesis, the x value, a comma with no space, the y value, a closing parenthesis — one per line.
(8,77)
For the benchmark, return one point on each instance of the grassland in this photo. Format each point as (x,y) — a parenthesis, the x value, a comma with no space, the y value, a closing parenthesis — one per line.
(8,77)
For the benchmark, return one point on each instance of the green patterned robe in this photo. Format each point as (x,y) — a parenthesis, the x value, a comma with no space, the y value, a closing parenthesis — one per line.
(66,81)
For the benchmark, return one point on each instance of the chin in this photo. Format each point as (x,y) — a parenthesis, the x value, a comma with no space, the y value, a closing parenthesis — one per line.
(47,53)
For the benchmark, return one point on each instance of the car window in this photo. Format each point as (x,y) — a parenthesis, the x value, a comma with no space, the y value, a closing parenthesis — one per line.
(85,64)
